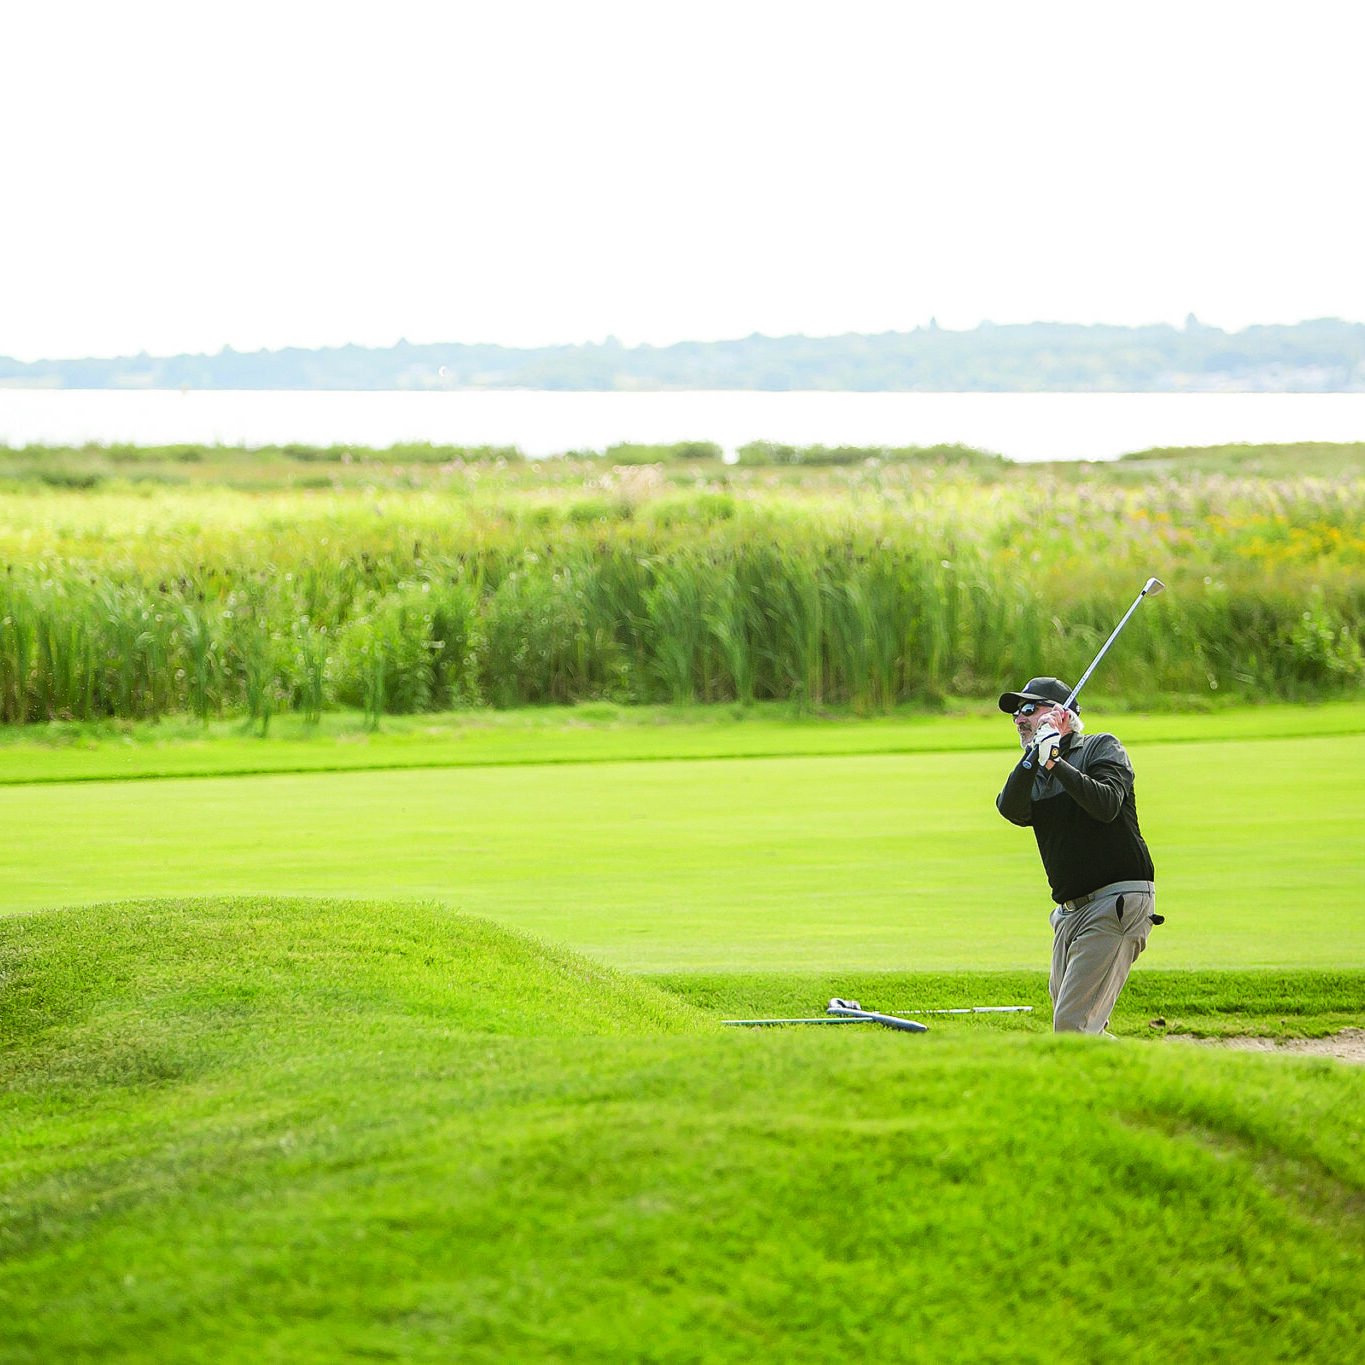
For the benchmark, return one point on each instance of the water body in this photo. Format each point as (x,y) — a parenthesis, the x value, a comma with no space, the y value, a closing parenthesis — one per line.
(1023,426)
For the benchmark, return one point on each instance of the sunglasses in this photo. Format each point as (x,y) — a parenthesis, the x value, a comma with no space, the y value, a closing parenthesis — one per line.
(1027,709)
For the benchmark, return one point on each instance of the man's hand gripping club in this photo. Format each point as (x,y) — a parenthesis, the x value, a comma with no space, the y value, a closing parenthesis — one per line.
(1042,733)
(1047,741)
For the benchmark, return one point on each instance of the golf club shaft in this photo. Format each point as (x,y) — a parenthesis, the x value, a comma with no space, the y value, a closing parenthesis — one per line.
(1151,586)
(756,1023)
(978,1009)
(872,1017)
(1147,587)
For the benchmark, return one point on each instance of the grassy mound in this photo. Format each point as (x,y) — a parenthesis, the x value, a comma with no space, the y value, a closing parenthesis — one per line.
(389,1131)
(195,977)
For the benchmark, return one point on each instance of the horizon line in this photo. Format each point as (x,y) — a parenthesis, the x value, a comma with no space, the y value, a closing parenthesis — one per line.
(611,342)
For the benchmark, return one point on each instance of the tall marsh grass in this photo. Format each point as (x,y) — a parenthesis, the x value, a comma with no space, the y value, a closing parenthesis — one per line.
(880,586)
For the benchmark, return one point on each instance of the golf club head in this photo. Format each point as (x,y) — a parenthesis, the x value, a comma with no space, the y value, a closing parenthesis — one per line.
(843,1009)
(1154,586)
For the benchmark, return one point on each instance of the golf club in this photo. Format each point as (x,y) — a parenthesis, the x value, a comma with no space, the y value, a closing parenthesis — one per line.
(841,1017)
(842,1012)
(838,1006)
(979,1009)
(848,1009)
(1151,588)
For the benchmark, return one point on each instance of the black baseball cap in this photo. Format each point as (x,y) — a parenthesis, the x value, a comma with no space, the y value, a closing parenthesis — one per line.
(1052,690)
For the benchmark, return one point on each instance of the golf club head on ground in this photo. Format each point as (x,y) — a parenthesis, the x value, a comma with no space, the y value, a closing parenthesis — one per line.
(844,1009)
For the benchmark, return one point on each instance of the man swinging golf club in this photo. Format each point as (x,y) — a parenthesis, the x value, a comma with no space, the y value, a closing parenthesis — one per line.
(1076,791)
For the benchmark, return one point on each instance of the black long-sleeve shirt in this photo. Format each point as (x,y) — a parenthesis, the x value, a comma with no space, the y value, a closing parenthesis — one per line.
(1083,814)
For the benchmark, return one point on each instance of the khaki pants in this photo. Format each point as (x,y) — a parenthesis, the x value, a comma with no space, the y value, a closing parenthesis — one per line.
(1095,943)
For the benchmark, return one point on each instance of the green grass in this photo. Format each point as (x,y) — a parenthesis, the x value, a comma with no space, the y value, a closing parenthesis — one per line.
(323,1101)
(1157,1001)
(276,1130)
(598,732)
(1320,459)
(799,861)
(421,464)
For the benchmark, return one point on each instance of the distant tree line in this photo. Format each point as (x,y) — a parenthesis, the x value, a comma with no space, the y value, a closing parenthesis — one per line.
(1323,356)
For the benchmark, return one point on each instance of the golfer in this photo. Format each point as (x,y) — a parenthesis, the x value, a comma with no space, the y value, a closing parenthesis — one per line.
(1077,794)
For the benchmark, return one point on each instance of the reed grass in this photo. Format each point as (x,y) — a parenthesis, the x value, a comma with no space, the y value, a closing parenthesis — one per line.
(867,588)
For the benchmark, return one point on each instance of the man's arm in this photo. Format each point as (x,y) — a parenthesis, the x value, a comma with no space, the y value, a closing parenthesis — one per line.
(1015,802)
(1101,790)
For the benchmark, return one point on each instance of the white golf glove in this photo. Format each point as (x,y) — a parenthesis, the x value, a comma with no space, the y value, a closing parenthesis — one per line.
(1047,740)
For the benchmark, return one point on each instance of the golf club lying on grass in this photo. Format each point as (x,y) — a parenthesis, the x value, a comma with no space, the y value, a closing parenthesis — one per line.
(1151,588)
(843,1016)
(841,1011)
(850,1009)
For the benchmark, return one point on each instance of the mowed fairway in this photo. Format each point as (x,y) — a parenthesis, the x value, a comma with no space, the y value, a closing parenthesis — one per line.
(850,861)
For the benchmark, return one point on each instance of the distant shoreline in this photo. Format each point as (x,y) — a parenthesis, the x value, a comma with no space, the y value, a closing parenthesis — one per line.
(1322,356)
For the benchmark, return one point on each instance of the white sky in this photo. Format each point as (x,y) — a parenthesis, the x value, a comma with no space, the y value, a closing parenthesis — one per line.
(176,177)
